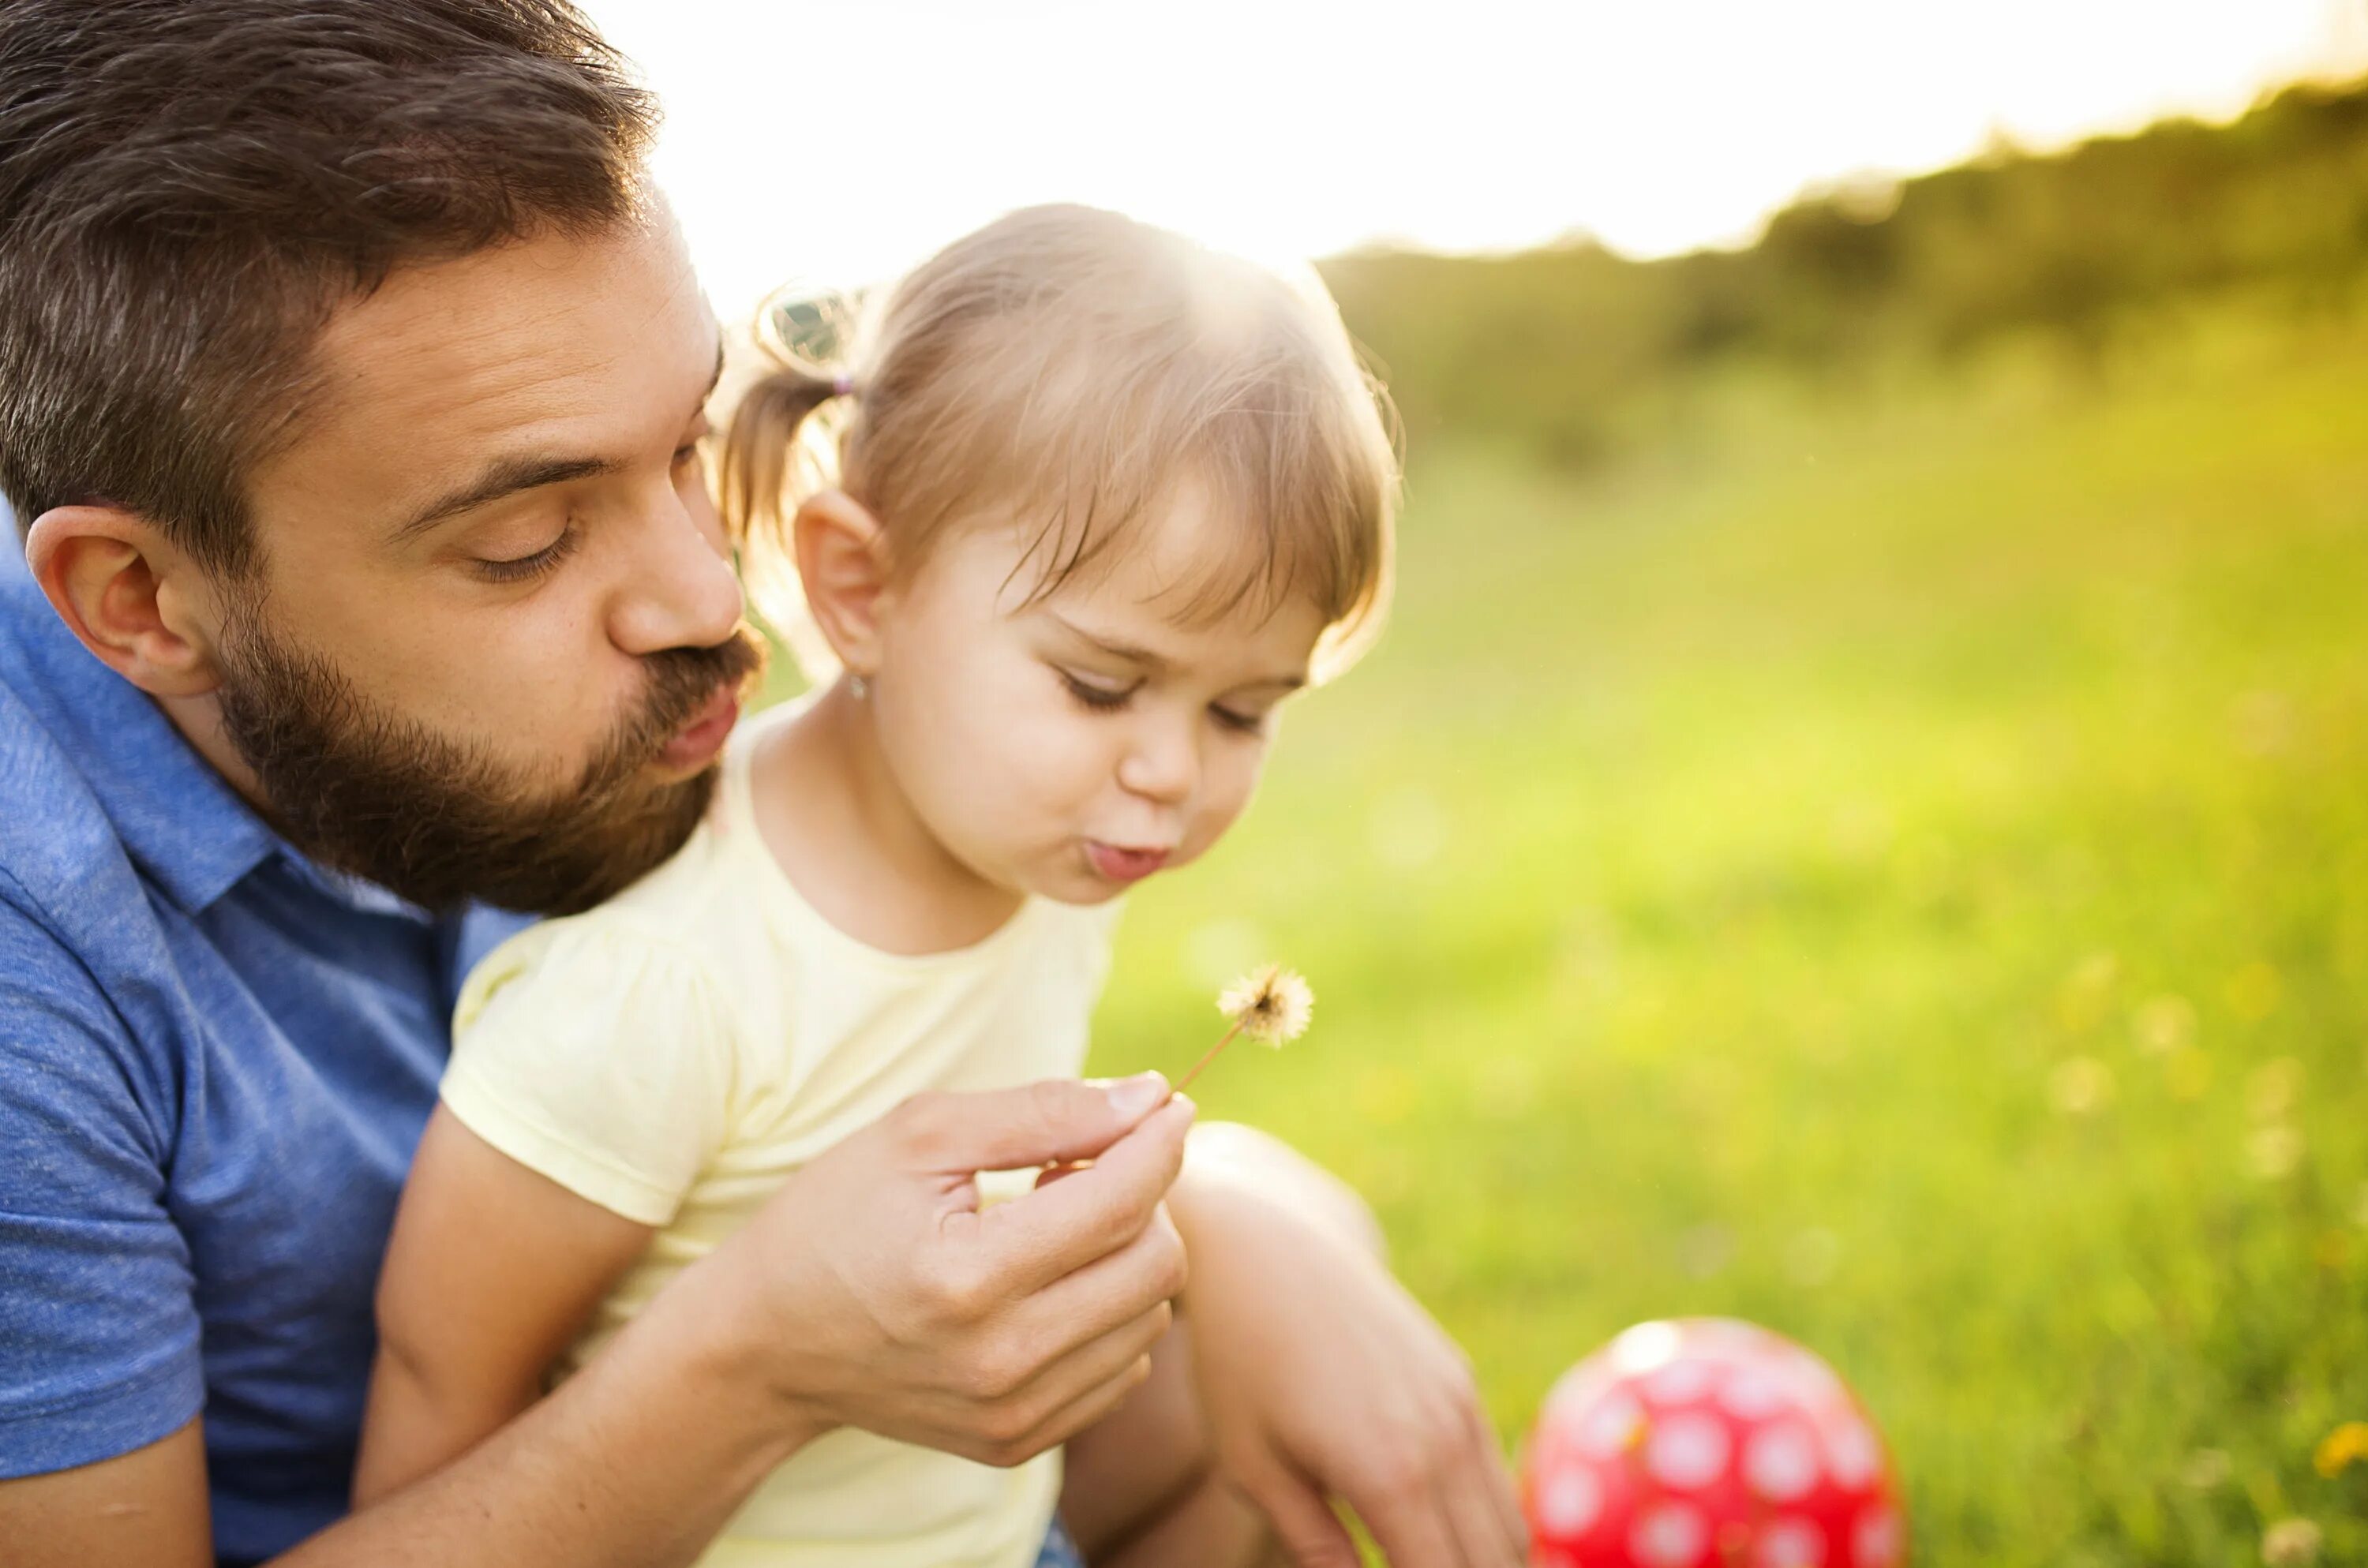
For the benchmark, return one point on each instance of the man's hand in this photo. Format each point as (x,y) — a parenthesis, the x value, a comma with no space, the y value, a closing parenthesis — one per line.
(870,1291)
(1322,1378)
(873,1291)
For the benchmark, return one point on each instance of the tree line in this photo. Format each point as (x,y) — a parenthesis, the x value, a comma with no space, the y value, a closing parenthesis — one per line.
(1573,350)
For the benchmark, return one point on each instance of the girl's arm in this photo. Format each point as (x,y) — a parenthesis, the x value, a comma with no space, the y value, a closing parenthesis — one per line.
(492,1269)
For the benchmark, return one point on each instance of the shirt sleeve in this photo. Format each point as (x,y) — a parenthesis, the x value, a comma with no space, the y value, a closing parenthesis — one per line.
(598,1056)
(98,1325)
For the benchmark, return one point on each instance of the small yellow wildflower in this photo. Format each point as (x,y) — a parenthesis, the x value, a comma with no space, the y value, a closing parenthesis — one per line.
(2340,1447)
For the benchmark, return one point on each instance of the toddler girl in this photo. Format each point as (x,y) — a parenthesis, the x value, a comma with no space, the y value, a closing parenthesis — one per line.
(1103,500)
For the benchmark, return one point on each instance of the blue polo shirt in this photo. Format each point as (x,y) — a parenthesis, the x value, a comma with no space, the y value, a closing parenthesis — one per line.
(215,1061)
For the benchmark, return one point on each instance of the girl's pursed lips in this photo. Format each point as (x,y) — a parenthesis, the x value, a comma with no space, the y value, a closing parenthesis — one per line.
(1123,865)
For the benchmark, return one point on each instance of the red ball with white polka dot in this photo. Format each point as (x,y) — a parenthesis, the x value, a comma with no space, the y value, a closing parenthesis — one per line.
(1708,1443)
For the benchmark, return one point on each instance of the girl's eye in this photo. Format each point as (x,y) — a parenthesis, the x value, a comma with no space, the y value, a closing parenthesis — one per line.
(1241,723)
(1098,698)
(686,453)
(527,568)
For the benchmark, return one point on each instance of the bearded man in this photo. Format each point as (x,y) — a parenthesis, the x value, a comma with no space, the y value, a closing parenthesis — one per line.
(312,313)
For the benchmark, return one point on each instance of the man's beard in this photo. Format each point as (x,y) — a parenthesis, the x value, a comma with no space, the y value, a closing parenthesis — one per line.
(383,797)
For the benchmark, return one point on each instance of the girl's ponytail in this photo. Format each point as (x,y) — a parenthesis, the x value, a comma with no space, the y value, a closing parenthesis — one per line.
(769,432)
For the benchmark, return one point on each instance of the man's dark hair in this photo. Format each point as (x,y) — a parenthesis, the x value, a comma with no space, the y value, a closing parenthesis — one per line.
(189,188)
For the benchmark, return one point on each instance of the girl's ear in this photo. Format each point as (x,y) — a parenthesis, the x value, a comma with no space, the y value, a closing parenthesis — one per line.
(842,556)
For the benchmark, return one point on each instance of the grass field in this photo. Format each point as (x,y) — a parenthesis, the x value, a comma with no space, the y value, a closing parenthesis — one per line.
(1896,870)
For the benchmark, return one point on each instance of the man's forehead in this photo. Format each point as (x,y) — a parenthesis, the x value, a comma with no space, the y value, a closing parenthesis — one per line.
(578,340)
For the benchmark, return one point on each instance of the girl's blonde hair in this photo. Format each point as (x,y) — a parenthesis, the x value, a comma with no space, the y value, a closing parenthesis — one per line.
(1069,371)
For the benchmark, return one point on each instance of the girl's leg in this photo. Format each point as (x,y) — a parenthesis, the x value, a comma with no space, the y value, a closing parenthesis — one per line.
(1143,1489)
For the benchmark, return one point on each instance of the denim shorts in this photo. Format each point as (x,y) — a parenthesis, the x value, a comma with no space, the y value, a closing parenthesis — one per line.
(1059,1550)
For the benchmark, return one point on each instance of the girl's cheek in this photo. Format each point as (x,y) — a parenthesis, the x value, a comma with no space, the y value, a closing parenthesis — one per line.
(1223,812)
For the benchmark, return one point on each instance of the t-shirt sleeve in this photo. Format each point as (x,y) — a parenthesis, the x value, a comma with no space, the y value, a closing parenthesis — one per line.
(598,1056)
(98,1326)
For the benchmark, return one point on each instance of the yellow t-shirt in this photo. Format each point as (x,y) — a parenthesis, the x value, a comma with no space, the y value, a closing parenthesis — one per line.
(675,1053)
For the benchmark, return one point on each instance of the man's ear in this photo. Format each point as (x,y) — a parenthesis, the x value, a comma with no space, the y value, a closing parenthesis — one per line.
(140,605)
(842,557)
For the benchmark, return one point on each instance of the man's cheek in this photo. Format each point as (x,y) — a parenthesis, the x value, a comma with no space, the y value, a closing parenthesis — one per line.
(532,725)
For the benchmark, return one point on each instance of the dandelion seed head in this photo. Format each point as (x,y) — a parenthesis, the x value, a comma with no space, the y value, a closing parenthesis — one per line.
(2292,1543)
(2206,1469)
(1270,1005)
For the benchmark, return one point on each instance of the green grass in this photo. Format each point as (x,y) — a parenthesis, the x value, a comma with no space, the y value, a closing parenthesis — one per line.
(1896,870)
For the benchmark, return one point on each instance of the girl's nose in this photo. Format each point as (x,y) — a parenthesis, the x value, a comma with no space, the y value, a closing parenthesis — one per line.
(1162,763)
(679,590)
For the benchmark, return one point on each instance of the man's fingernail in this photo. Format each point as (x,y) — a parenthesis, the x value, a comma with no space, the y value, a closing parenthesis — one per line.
(1130,1098)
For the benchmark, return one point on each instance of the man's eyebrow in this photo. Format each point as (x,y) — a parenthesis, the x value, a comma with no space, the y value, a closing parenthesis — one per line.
(509,475)
(503,476)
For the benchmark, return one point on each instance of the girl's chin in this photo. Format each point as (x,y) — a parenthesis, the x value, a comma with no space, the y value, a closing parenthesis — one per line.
(1074,884)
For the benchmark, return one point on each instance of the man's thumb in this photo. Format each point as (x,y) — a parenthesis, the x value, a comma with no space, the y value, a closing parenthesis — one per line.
(1041,1123)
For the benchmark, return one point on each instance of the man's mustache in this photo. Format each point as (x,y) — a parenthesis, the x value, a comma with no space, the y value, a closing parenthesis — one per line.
(681,682)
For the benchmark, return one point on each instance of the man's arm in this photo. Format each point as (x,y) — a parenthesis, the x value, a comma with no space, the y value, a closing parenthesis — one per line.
(98,1334)
(147,1507)
(870,1290)
(638,1465)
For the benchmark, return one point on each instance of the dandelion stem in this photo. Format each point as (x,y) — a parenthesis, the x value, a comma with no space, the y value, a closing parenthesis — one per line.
(1186,1081)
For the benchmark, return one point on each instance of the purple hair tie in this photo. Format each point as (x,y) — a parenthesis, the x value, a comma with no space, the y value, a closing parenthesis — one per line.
(842,385)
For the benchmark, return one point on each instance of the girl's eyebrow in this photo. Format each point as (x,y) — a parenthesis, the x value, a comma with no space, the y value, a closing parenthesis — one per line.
(1126,650)
(1289,681)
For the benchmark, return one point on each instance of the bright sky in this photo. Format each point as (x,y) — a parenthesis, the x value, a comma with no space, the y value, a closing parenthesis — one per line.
(836,142)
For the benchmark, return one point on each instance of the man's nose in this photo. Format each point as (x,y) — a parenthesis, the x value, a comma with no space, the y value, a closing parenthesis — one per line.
(679,590)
